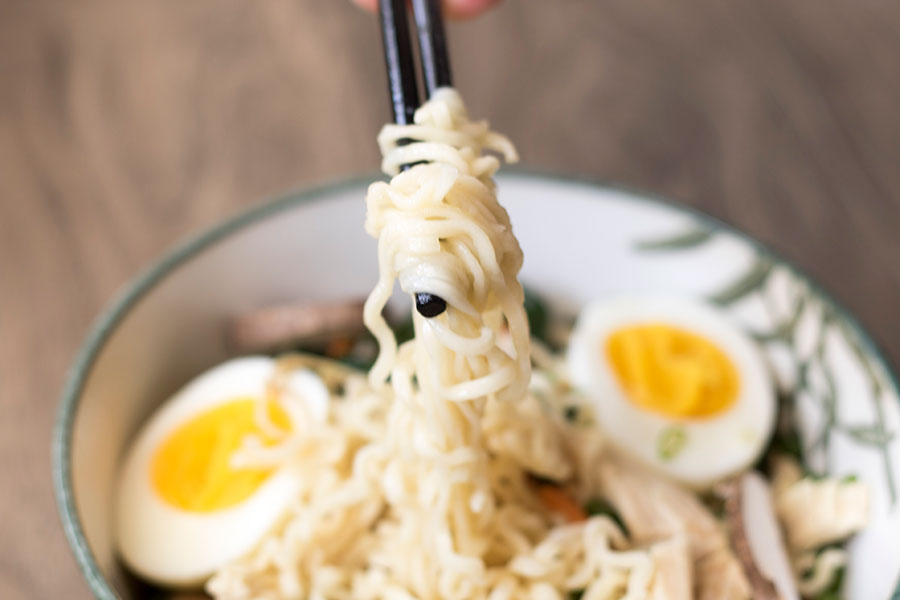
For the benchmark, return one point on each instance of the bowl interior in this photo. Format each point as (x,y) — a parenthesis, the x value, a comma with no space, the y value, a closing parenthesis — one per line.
(581,242)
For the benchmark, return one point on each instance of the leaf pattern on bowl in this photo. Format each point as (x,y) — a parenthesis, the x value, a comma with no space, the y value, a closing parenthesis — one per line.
(813,370)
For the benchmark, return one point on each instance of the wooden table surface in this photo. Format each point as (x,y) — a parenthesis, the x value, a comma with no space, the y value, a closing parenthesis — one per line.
(125,126)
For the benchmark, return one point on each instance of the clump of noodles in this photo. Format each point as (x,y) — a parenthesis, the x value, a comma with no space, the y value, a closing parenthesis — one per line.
(441,230)
(362,527)
(423,488)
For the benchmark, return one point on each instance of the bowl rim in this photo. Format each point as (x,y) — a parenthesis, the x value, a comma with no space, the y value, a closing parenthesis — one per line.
(135,289)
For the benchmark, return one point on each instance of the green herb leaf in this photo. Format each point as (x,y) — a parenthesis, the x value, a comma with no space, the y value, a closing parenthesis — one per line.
(833,591)
(671,442)
(576,595)
(537,314)
(599,506)
(357,363)
(789,443)
(405,330)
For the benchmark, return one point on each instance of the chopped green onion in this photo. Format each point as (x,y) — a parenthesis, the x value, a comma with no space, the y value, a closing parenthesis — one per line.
(671,442)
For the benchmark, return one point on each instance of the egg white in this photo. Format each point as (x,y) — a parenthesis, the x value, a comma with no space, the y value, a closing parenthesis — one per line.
(175,547)
(716,446)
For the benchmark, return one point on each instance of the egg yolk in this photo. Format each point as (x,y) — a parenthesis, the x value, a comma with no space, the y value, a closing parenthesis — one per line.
(671,371)
(191,469)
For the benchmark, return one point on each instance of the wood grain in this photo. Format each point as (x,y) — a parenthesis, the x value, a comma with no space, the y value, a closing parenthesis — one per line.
(124,126)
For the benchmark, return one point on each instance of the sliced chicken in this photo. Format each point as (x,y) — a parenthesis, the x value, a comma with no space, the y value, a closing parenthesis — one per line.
(818,512)
(719,576)
(655,509)
(674,579)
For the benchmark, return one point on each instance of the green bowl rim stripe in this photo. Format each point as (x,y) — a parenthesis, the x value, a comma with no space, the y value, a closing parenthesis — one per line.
(135,289)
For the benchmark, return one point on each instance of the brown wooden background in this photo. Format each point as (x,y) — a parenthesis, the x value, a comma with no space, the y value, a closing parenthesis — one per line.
(125,126)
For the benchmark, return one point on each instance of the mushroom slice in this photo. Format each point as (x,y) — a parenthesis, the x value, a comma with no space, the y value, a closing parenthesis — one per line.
(757,540)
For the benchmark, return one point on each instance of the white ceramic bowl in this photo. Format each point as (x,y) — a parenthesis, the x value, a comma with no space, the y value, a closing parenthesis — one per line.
(581,241)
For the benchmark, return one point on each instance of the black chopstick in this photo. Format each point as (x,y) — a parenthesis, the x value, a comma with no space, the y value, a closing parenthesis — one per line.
(432,44)
(398,58)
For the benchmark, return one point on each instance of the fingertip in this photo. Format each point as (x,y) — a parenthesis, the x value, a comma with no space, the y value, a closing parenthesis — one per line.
(466,9)
(457,9)
(369,5)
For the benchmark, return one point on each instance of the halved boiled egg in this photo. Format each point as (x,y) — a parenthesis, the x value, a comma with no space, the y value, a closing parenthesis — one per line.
(676,384)
(183,506)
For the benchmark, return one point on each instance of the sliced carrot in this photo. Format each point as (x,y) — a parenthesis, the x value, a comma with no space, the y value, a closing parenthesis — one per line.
(556,500)
(339,347)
